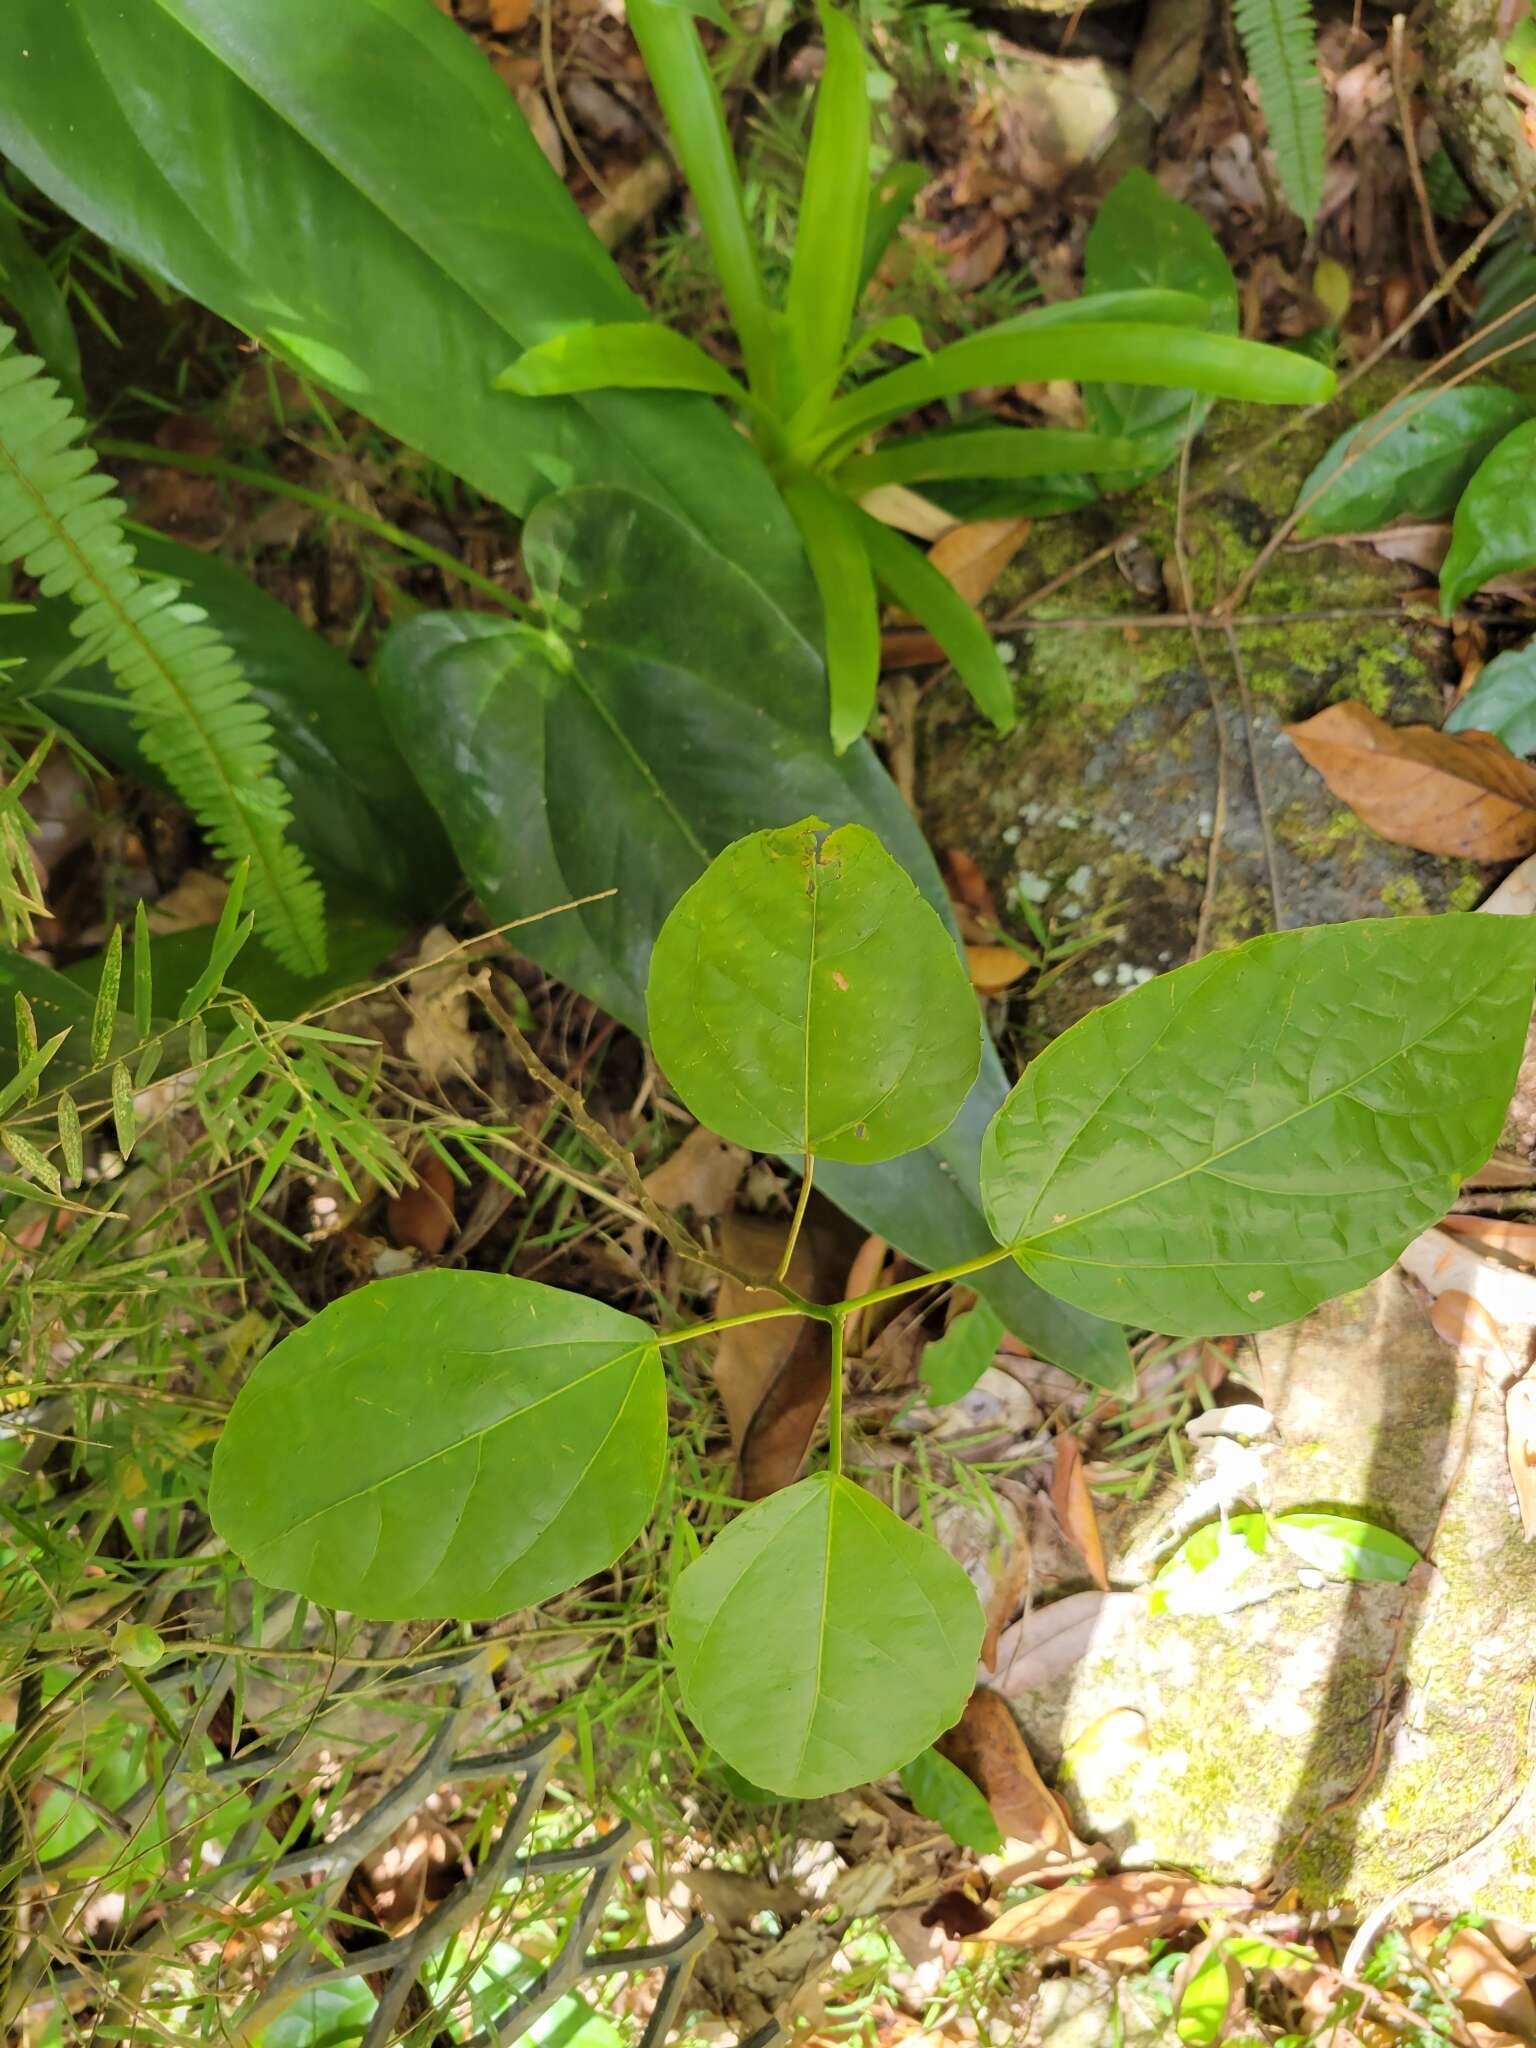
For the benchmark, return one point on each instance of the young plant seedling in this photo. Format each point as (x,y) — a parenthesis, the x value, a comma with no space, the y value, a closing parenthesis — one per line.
(1217,1151)
(815,421)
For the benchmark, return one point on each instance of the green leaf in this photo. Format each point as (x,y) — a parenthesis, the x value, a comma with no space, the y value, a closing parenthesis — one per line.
(1221,365)
(698,722)
(329,2016)
(31,1161)
(286,211)
(1143,237)
(821,1642)
(104,1016)
(1494,531)
(1502,701)
(690,99)
(850,615)
(958,627)
(71,1138)
(986,452)
(24,1082)
(1413,459)
(454,1444)
(941,1792)
(1280,43)
(1235,1142)
(956,1361)
(1207,1998)
(892,196)
(357,811)
(804,998)
(630,356)
(1343,1547)
(29,288)
(829,239)
(124,1122)
(1206,1575)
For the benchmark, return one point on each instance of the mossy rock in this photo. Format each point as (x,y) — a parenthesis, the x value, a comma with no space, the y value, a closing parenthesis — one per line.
(1101,805)
(1261,1726)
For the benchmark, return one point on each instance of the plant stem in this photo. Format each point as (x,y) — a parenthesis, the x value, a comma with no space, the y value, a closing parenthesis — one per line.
(835,1398)
(334,508)
(834,1312)
(806,1177)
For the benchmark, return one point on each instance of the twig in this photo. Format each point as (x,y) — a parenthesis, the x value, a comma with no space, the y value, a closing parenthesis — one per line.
(1411,149)
(1219,724)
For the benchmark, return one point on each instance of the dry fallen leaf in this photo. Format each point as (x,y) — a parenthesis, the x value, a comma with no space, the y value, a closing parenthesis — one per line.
(1463,794)
(987,1745)
(994,968)
(702,1175)
(1112,1919)
(422,1216)
(438,1040)
(1463,1322)
(1520,1440)
(1074,1508)
(1491,1993)
(1496,1234)
(1443,1263)
(969,891)
(908,511)
(975,555)
(507,16)
(1048,1642)
(1504,1170)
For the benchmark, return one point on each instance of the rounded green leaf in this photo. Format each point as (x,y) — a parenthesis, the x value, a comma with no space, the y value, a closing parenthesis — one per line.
(1235,1142)
(1502,701)
(821,1642)
(1494,531)
(804,998)
(456,1444)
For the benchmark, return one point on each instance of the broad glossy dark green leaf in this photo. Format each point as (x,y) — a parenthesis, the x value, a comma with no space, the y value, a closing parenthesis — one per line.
(447,1444)
(821,1642)
(1494,531)
(1413,459)
(1255,1133)
(958,627)
(956,1361)
(659,705)
(829,527)
(357,811)
(1141,236)
(1502,701)
(804,998)
(631,355)
(275,191)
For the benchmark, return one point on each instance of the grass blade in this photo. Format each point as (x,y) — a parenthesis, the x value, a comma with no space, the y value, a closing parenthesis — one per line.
(104,1016)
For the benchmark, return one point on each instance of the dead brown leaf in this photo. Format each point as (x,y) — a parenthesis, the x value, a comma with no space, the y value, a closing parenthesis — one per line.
(1010,1584)
(702,1175)
(1074,1508)
(508,16)
(1112,1919)
(1491,1993)
(968,887)
(423,1216)
(1496,1234)
(978,256)
(1462,794)
(987,1745)
(438,1039)
(1047,1642)
(994,968)
(1520,1440)
(1463,1322)
(1504,1170)
(972,557)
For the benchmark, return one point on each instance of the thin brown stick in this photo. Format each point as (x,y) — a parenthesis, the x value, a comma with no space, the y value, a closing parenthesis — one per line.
(1411,149)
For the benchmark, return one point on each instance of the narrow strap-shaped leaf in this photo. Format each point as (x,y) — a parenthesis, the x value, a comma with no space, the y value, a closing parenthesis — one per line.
(685,86)
(1179,357)
(633,355)
(829,527)
(124,1122)
(987,452)
(104,1016)
(71,1137)
(229,935)
(143,973)
(31,1161)
(899,331)
(891,199)
(829,241)
(23,1085)
(919,588)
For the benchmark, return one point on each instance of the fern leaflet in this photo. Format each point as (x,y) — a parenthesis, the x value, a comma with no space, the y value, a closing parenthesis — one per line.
(1280,44)
(200,724)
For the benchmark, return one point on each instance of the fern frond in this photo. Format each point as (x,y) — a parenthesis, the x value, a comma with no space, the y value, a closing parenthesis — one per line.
(1280,43)
(199,723)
